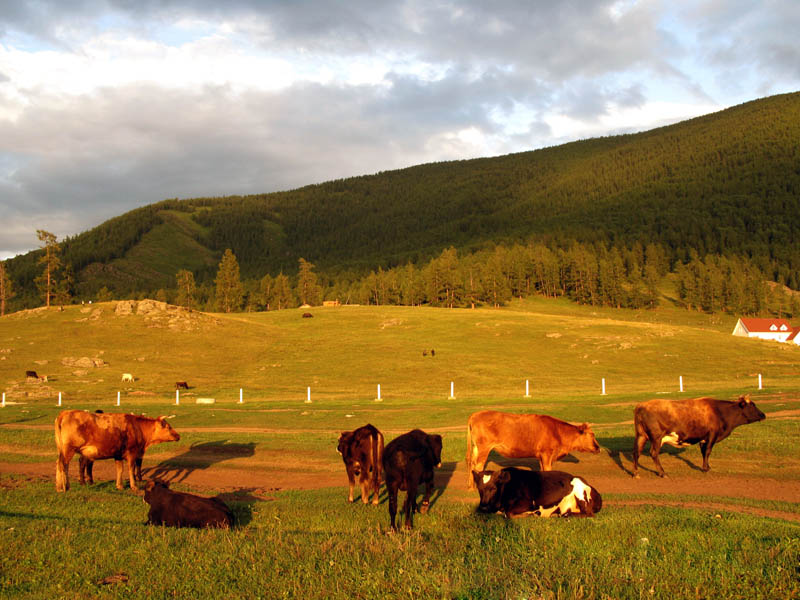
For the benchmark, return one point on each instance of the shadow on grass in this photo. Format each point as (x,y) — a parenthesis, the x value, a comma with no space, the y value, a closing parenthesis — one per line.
(620,447)
(198,456)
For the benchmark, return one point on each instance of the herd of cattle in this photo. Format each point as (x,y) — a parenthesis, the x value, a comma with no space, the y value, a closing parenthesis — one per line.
(407,462)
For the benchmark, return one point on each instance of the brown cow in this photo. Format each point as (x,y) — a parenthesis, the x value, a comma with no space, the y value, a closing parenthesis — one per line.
(362,453)
(96,436)
(523,436)
(181,384)
(682,423)
(179,509)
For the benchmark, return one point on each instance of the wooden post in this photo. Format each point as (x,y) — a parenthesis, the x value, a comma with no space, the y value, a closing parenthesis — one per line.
(527,389)
(117,398)
(59,398)
(604,387)
(240,396)
(759,381)
(308,397)
(452,394)
(177,397)
(680,382)
(4,399)
(379,391)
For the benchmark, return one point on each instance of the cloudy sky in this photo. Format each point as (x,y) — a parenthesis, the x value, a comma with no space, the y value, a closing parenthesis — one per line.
(107,105)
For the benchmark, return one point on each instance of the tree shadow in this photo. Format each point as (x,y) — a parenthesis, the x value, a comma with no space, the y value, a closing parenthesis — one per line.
(199,456)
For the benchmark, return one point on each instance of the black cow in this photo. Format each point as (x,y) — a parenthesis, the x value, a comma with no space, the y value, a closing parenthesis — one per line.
(31,375)
(682,423)
(518,492)
(178,509)
(181,384)
(408,461)
(362,453)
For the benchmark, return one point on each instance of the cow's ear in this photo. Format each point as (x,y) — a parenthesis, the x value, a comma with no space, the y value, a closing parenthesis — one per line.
(476,477)
(584,427)
(744,400)
(503,476)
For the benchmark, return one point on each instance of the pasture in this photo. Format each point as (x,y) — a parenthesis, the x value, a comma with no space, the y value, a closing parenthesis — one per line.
(731,533)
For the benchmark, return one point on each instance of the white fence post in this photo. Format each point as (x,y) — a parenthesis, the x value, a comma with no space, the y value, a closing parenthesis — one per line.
(240,396)
(759,381)
(308,397)
(117,398)
(680,382)
(452,394)
(177,397)
(379,391)
(4,399)
(604,387)
(59,398)
(527,389)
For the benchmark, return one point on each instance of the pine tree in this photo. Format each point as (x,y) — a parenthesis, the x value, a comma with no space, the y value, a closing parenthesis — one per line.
(229,286)
(51,261)
(187,289)
(307,289)
(6,288)
(64,288)
(266,288)
(283,292)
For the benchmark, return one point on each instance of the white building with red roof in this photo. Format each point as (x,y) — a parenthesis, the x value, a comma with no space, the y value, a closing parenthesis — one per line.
(778,330)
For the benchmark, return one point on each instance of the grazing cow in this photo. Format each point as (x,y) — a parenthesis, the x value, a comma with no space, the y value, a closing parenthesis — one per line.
(362,453)
(179,509)
(97,436)
(307,315)
(682,423)
(408,461)
(518,493)
(523,436)
(31,375)
(127,377)
(181,384)
(433,352)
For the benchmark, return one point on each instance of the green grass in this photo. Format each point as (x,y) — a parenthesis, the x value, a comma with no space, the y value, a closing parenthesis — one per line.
(314,545)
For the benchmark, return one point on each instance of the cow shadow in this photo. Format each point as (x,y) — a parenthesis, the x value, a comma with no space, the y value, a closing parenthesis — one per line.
(199,456)
(622,447)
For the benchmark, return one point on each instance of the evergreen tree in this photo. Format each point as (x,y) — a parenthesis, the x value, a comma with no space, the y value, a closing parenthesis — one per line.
(187,289)
(104,295)
(64,287)
(307,289)
(283,297)
(6,288)
(266,288)
(229,286)
(51,261)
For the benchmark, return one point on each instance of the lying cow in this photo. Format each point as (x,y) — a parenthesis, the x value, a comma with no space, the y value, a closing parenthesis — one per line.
(518,493)
(523,436)
(362,453)
(98,436)
(408,461)
(179,509)
(682,423)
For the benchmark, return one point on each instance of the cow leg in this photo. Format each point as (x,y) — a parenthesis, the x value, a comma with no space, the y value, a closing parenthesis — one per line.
(479,460)
(82,464)
(705,448)
(655,448)
(132,472)
(426,499)
(638,448)
(352,481)
(118,465)
(391,490)
(62,469)
(365,487)
(138,471)
(411,504)
(546,462)
(376,486)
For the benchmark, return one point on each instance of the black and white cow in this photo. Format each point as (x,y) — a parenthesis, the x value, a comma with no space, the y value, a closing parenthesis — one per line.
(518,493)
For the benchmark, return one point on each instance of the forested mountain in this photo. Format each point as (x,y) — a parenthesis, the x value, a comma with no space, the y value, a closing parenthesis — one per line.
(724,184)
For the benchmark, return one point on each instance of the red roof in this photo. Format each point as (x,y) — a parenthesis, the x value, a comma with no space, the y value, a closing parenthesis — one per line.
(795,331)
(766,325)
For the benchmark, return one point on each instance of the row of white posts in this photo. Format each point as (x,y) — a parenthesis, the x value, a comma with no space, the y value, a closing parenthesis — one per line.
(379,399)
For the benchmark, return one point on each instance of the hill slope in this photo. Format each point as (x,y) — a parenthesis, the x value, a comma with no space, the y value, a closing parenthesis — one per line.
(728,182)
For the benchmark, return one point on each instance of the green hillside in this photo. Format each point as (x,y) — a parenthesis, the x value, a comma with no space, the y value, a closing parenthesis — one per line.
(726,183)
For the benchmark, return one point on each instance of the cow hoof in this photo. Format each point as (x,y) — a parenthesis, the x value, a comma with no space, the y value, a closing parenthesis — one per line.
(424,508)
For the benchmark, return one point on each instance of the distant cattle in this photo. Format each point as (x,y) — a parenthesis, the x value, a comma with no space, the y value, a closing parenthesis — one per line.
(362,453)
(98,436)
(127,377)
(433,352)
(179,509)
(523,436)
(518,492)
(307,315)
(408,461)
(181,385)
(681,423)
(31,375)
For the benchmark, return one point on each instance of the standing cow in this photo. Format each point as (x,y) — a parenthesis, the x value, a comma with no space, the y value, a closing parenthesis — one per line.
(409,461)
(519,492)
(114,435)
(682,423)
(362,453)
(179,509)
(523,436)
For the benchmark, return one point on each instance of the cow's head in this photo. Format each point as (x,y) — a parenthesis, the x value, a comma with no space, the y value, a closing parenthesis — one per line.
(586,441)
(345,448)
(163,432)
(749,410)
(435,444)
(490,487)
(153,489)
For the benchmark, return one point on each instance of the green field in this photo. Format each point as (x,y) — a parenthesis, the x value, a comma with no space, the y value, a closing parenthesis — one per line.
(692,537)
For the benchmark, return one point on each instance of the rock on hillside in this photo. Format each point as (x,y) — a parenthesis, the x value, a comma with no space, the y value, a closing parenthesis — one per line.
(161,314)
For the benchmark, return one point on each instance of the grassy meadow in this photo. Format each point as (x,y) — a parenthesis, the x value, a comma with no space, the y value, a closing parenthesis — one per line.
(309,542)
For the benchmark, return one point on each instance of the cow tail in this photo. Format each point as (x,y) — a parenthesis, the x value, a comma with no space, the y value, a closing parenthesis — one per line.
(469,450)
(377,459)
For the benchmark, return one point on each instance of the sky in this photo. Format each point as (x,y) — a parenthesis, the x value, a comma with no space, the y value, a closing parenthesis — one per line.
(109,105)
